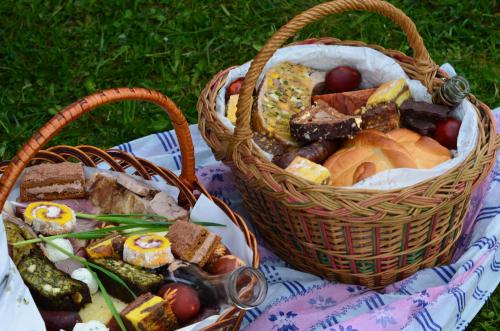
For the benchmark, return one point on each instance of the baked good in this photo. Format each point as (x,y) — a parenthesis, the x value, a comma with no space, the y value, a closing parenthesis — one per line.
(316,152)
(384,117)
(137,279)
(148,251)
(110,246)
(322,122)
(422,126)
(231,108)
(285,90)
(308,170)
(392,91)
(424,110)
(192,243)
(346,102)
(52,289)
(52,181)
(426,151)
(149,312)
(370,152)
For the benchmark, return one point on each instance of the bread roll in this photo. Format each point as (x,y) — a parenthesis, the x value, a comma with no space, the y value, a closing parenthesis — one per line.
(373,151)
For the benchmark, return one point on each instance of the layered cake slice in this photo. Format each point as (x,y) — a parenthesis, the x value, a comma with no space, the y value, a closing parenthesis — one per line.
(149,312)
(192,243)
(322,122)
(47,181)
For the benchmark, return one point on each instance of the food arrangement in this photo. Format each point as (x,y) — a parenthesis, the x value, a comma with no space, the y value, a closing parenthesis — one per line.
(321,126)
(108,252)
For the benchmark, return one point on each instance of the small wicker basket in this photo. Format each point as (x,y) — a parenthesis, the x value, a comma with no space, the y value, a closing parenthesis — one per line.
(366,237)
(117,160)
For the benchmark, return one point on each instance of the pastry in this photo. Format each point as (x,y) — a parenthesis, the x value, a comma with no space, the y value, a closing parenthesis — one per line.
(52,289)
(148,251)
(322,122)
(308,170)
(110,246)
(346,102)
(231,108)
(285,90)
(316,152)
(50,218)
(149,312)
(384,117)
(393,91)
(52,181)
(424,110)
(367,154)
(373,151)
(426,151)
(137,279)
(192,243)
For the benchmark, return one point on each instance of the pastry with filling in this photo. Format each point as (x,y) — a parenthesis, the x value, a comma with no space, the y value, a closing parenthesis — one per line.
(393,91)
(285,90)
(322,122)
(110,246)
(149,312)
(192,243)
(53,181)
(137,279)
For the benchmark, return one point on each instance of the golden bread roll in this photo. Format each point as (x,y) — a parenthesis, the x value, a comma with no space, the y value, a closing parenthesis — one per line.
(373,151)
(426,151)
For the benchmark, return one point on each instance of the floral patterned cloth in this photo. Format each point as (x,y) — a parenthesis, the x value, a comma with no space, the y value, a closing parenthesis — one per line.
(441,298)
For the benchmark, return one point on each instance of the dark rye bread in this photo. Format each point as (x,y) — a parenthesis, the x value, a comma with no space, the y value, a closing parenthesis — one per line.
(51,288)
(192,243)
(56,181)
(322,122)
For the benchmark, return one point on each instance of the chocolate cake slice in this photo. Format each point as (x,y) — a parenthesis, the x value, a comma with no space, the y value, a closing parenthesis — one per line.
(192,243)
(322,122)
(48,181)
(383,117)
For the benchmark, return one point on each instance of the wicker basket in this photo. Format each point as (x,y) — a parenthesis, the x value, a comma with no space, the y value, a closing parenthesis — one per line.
(366,237)
(117,160)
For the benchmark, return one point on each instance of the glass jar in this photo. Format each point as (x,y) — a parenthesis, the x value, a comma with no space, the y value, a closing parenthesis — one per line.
(245,287)
(452,92)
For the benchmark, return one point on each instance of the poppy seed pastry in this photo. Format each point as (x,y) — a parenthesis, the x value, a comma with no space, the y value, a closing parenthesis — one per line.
(53,181)
(192,243)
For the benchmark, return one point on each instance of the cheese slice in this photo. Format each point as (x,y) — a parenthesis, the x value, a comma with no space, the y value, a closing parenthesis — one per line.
(309,170)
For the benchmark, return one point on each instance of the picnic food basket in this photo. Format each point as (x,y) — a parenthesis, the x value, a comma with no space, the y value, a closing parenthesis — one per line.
(117,160)
(368,237)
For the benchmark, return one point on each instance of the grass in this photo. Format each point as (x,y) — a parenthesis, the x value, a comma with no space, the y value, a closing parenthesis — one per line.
(54,52)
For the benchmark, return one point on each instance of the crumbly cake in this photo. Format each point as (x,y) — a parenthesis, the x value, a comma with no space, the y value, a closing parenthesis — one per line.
(192,242)
(49,181)
(322,122)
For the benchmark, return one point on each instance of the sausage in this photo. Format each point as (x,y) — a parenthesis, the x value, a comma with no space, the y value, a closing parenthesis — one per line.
(316,152)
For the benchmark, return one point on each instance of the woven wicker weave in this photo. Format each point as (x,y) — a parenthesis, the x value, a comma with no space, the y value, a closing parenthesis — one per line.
(366,237)
(117,160)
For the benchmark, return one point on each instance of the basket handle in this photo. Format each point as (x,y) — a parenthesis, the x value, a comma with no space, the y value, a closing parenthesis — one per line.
(85,105)
(426,67)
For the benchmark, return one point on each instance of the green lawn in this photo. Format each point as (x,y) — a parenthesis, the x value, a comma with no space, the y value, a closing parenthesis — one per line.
(53,52)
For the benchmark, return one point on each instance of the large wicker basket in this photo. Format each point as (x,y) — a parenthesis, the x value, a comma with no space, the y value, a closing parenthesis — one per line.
(117,160)
(367,237)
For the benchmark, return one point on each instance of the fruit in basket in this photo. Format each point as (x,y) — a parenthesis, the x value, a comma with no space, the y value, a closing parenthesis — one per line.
(285,91)
(342,79)
(234,87)
(447,132)
(183,299)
